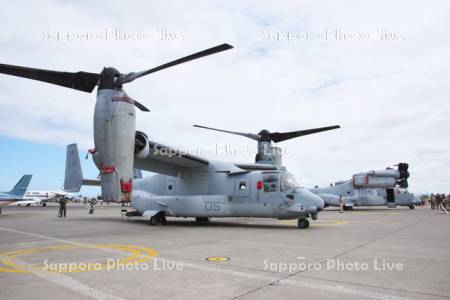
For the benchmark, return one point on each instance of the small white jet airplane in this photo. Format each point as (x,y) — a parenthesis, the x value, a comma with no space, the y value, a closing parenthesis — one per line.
(33,198)
(16,194)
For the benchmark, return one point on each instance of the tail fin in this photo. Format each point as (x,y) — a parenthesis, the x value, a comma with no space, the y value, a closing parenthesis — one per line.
(73,176)
(21,186)
(73,179)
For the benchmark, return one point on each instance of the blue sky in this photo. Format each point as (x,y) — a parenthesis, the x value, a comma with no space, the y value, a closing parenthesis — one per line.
(45,162)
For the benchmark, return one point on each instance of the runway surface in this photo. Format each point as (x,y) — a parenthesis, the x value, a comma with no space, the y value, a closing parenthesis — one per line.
(374,253)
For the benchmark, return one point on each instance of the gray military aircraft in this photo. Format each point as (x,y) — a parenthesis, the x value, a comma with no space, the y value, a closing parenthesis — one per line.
(374,188)
(191,186)
(187,185)
(16,194)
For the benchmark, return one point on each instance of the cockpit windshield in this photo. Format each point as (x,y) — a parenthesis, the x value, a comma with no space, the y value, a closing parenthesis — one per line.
(278,181)
(288,182)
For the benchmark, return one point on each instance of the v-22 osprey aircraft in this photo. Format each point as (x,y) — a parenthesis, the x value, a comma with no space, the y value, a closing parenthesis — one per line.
(373,188)
(187,185)
(191,186)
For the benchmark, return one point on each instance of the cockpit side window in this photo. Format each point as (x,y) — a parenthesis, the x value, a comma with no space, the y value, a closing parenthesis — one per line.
(271,182)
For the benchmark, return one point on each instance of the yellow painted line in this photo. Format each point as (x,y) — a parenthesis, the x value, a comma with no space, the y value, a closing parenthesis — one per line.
(137,255)
(218,258)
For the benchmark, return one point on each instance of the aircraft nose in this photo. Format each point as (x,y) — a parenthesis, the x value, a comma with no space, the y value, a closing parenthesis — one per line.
(319,202)
(312,202)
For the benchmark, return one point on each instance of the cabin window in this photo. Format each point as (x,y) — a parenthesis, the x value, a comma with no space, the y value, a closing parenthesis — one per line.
(271,182)
(242,185)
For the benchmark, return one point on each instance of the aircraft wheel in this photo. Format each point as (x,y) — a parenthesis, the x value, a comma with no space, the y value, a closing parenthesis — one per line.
(411,206)
(303,223)
(155,220)
(202,220)
(44,204)
(158,219)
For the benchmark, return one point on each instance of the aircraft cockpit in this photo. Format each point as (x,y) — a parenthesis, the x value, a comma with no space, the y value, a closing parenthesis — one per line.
(278,181)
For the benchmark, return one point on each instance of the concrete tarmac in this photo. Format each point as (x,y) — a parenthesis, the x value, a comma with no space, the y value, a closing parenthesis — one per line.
(368,253)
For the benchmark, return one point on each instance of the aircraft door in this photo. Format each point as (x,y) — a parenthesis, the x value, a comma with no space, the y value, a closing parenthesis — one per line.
(241,196)
(390,197)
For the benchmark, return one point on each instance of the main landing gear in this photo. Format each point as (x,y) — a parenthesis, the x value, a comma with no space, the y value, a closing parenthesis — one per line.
(201,220)
(411,206)
(158,219)
(303,223)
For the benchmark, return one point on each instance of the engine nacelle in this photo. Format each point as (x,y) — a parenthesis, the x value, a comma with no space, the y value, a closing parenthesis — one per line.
(387,178)
(367,181)
(384,173)
(141,146)
(114,128)
(277,158)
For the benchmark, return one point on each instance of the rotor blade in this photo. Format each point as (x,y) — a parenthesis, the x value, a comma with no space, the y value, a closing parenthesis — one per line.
(140,106)
(134,75)
(249,135)
(82,81)
(283,136)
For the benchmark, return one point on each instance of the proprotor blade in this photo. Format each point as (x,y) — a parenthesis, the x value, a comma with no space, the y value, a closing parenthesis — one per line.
(283,136)
(140,106)
(82,81)
(249,135)
(132,76)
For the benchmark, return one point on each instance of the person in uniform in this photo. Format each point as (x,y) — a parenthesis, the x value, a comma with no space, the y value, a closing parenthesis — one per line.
(341,204)
(438,201)
(432,201)
(92,206)
(62,208)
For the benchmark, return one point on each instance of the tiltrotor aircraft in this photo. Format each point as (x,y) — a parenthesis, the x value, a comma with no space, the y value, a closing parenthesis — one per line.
(374,188)
(191,186)
(187,185)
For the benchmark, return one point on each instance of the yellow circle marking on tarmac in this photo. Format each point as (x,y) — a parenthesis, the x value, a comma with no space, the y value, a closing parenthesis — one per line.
(318,223)
(218,258)
(137,255)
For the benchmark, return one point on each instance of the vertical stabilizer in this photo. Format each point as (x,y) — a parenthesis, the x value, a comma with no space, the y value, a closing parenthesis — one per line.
(21,186)
(73,178)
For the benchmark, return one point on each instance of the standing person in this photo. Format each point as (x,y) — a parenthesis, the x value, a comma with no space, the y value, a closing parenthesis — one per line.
(438,201)
(432,201)
(60,212)
(92,207)
(62,208)
(341,204)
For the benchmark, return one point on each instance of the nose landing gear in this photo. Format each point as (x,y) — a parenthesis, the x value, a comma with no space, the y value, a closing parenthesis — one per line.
(303,223)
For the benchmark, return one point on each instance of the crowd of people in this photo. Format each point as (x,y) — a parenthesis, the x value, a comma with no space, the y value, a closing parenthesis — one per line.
(436,200)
